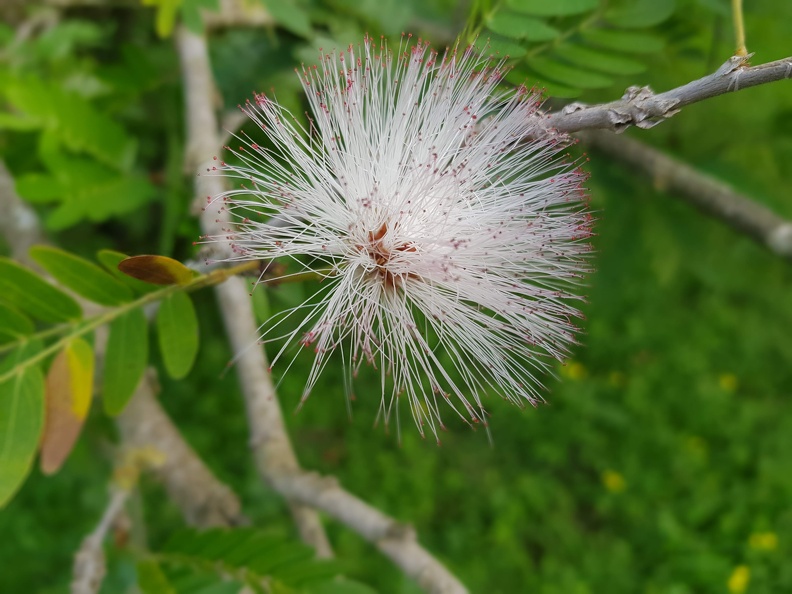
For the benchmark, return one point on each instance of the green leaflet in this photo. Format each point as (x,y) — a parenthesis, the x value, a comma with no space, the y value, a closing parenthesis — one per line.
(83,190)
(521,27)
(640,13)
(191,559)
(152,580)
(29,293)
(177,327)
(72,119)
(567,46)
(291,16)
(565,74)
(624,41)
(125,359)
(13,324)
(81,276)
(21,421)
(607,63)
(551,8)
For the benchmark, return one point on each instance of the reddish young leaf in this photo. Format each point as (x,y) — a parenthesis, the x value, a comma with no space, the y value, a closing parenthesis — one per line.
(158,270)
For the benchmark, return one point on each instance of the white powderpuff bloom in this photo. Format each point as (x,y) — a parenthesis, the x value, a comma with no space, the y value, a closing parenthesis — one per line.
(449,229)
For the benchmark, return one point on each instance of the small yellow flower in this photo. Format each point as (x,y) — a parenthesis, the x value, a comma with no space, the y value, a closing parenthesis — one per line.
(613,481)
(574,371)
(728,382)
(697,446)
(617,379)
(763,541)
(738,580)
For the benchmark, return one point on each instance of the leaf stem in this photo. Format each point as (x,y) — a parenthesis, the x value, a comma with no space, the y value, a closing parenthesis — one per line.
(215,277)
(739,28)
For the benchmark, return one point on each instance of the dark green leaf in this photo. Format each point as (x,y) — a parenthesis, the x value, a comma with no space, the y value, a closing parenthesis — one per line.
(20,123)
(13,324)
(518,26)
(550,8)
(341,586)
(177,326)
(152,580)
(640,13)
(191,13)
(84,190)
(248,552)
(625,41)
(568,75)
(290,15)
(21,421)
(502,48)
(599,61)
(81,276)
(165,18)
(260,299)
(72,119)
(26,291)
(125,359)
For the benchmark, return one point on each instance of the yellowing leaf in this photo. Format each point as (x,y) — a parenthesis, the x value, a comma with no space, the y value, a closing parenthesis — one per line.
(69,389)
(158,270)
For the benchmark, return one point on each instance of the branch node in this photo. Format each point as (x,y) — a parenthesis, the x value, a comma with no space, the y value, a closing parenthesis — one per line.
(400,531)
(734,63)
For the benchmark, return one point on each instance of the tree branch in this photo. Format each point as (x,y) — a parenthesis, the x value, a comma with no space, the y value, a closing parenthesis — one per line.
(202,498)
(19,223)
(702,191)
(396,540)
(641,107)
(272,449)
(89,562)
(269,440)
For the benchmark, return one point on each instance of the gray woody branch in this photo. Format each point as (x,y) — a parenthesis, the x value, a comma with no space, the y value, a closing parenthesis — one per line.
(275,458)
(643,108)
(702,191)
(269,440)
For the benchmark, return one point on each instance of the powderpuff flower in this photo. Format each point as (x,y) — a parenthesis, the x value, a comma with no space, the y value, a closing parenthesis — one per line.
(449,229)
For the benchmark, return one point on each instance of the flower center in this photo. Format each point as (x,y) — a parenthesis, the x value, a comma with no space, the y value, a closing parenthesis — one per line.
(382,256)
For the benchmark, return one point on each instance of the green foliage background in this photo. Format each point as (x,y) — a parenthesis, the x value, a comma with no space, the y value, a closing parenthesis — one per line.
(662,461)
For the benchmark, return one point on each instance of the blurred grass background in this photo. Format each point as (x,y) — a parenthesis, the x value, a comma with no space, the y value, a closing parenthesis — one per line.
(661,463)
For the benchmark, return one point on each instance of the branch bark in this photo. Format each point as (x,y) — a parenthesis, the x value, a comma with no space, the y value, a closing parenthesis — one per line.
(275,458)
(702,191)
(395,540)
(202,498)
(641,107)
(269,441)
(89,562)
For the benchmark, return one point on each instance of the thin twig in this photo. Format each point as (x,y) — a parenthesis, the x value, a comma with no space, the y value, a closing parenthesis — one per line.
(704,192)
(89,562)
(641,107)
